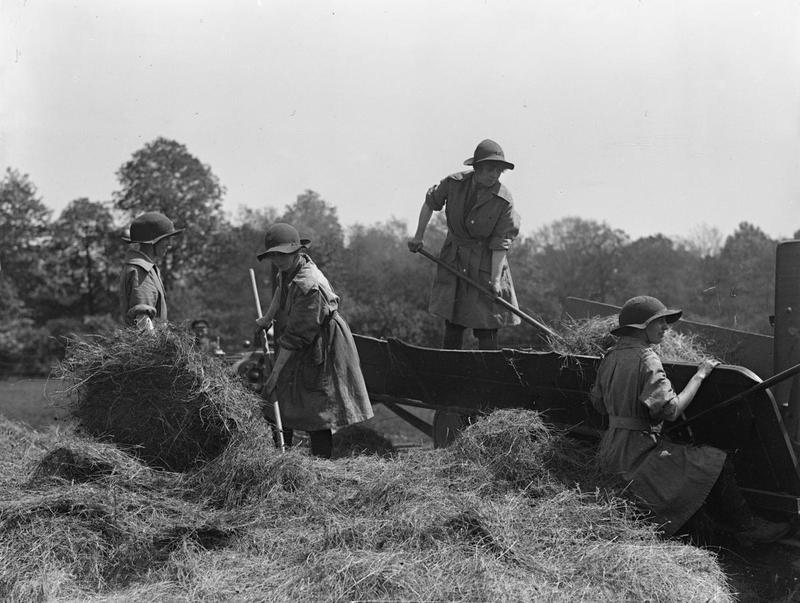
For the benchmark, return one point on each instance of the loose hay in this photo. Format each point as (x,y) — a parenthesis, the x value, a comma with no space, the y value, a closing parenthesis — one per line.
(448,524)
(20,447)
(157,394)
(357,439)
(79,460)
(249,471)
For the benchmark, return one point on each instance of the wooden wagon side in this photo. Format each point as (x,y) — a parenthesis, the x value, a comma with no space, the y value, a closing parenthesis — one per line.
(459,383)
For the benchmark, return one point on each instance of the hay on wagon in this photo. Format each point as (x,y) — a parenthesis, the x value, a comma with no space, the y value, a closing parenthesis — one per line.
(592,336)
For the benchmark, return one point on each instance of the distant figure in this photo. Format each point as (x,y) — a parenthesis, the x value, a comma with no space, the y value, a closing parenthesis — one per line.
(317,374)
(674,480)
(203,340)
(141,292)
(481,224)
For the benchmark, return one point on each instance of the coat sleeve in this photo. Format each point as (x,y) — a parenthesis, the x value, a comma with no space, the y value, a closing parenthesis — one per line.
(506,229)
(596,398)
(436,197)
(142,294)
(304,320)
(656,392)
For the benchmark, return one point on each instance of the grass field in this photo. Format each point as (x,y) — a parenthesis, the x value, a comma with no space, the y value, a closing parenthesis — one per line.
(35,402)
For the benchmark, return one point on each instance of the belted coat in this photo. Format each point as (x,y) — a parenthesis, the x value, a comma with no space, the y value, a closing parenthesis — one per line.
(672,479)
(479,221)
(140,289)
(321,385)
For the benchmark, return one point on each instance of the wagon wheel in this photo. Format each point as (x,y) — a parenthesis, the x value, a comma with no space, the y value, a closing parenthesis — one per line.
(446,426)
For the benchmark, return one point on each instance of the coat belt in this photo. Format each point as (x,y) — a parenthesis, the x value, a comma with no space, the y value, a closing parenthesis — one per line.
(630,423)
(471,243)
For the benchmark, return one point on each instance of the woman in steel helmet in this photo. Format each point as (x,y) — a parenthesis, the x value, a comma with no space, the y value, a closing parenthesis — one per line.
(674,480)
(317,375)
(141,292)
(481,225)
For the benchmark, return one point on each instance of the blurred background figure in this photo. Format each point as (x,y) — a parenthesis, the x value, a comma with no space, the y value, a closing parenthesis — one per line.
(203,339)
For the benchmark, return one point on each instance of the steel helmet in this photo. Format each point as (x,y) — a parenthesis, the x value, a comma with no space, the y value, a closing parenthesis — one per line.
(488,150)
(282,238)
(640,311)
(151,227)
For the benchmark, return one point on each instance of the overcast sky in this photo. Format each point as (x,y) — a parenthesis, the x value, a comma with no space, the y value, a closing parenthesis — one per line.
(654,116)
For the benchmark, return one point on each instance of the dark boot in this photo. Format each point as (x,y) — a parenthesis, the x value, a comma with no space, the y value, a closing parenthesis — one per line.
(763,531)
(453,338)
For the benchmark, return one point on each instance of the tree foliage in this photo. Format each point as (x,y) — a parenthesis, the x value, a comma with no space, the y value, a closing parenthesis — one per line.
(659,267)
(385,287)
(86,254)
(24,223)
(742,289)
(59,276)
(163,176)
(317,220)
(580,258)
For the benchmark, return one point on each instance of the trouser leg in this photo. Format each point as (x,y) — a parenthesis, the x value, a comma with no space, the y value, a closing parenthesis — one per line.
(453,336)
(321,443)
(725,501)
(487,338)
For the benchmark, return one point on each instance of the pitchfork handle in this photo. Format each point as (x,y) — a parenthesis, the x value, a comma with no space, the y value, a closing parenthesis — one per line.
(276,410)
(497,299)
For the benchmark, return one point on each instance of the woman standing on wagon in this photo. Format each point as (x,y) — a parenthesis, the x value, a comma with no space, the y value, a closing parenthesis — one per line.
(317,375)
(481,224)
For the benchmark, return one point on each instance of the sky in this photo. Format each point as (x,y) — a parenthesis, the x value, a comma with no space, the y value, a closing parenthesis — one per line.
(652,116)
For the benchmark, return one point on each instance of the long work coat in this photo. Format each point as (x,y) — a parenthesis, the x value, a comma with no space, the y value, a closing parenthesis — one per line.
(140,289)
(479,221)
(672,479)
(321,386)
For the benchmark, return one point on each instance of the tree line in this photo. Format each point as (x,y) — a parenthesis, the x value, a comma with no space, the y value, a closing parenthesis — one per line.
(59,275)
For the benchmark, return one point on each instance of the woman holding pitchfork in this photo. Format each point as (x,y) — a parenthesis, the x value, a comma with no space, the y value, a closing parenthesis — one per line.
(481,225)
(317,375)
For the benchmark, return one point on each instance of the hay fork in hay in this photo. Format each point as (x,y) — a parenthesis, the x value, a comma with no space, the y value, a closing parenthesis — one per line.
(275,406)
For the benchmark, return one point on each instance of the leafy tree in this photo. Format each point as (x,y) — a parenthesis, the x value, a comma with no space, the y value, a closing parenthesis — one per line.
(163,176)
(317,220)
(655,266)
(86,254)
(385,288)
(580,258)
(229,304)
(24,224)
(742,289)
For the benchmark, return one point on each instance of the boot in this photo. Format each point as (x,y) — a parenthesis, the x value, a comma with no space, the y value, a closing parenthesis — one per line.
(763,531)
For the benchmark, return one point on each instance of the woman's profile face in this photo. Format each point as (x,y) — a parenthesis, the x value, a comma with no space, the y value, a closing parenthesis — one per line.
(160,249)
(656,330)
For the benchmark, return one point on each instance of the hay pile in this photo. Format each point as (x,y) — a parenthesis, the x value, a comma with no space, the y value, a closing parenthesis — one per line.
(20,448)
(158,395)
(477,521)
(592,336)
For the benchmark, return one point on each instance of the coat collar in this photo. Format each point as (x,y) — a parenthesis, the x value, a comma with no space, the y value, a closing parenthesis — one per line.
(627,343)
(498,190)
(139,258)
